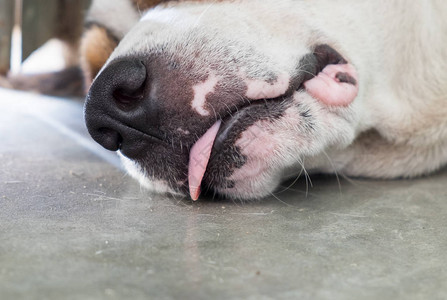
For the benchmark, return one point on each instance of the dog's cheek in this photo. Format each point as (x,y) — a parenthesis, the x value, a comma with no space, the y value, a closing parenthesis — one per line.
(272,146)
(262,146)
(255,178)
(96,47)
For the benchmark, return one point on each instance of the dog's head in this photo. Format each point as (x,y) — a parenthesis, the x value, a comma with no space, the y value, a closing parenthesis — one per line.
(228,96)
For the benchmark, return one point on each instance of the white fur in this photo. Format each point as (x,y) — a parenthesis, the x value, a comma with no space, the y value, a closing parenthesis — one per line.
(158,186)
(118,15)
(397,125)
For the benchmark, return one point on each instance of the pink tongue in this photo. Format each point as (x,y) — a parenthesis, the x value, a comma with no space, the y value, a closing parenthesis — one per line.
(198,160)
(328,88)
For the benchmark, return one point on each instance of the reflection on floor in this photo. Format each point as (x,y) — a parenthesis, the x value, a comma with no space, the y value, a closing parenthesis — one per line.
(74,226)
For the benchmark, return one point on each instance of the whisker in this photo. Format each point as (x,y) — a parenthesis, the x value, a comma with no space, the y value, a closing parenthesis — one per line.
(335,170)
(204,12)
(229,110)
(244,99)
(214,110)
(281,201)
(305,71)
(293,183)
(306,176)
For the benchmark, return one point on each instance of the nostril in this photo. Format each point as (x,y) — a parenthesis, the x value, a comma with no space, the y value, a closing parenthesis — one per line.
(109,138)
(127,99)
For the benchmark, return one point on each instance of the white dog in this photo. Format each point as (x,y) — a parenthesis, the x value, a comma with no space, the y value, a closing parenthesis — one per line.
(236,96)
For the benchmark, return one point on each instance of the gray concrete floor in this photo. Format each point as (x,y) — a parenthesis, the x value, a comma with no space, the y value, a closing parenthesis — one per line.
(74,226)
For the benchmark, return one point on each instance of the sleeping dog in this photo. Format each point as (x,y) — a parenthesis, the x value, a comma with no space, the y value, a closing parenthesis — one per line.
(235,96)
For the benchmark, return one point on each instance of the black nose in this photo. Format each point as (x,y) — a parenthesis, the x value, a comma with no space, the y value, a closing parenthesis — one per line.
(115,108)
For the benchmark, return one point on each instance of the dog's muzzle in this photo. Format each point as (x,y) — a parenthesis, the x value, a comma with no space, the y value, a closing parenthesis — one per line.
(167,114)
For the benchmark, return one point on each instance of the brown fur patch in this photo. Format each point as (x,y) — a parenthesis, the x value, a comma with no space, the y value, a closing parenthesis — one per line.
(96,47)
(146,4)
(143,5)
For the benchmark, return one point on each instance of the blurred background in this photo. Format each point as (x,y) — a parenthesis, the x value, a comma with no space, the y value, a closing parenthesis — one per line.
(39,42)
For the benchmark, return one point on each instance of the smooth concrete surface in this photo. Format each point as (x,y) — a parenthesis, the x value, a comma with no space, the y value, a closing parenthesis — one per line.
(74,226)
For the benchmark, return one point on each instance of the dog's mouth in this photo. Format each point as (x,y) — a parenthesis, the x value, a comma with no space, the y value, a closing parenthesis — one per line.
(222,135)
(327,77)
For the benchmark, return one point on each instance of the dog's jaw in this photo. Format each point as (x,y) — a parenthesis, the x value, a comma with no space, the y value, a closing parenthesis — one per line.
(269,121)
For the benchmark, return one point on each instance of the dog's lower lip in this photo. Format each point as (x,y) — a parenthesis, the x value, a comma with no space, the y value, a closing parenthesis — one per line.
(230,121)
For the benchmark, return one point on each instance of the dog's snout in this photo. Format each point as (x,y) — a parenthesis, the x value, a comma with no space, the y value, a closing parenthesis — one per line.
(114,104)
(108,138)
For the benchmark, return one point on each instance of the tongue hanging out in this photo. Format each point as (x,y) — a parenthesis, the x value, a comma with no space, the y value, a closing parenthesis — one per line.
(199,158)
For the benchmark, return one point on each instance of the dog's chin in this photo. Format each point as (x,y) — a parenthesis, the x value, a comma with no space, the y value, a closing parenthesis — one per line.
(254,185)
(232,171)
(254,182)
(137,171)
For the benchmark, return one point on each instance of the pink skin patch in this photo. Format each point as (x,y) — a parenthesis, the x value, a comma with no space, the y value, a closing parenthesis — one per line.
(201,90)
(260,89)
(199,158)
(329,86)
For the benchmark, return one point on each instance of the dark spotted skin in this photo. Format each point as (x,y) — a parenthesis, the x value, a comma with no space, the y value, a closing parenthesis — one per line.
(345,77)
(326,55)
